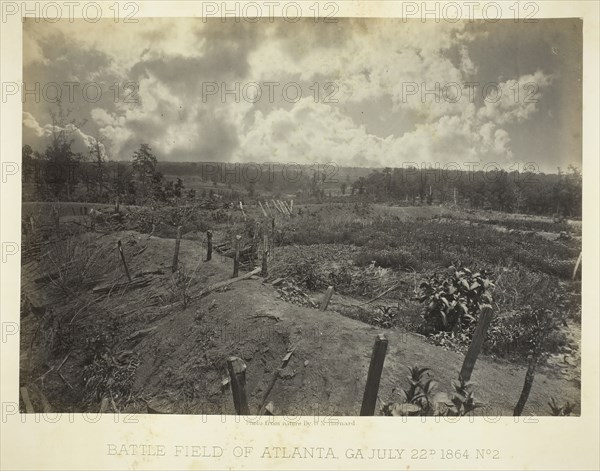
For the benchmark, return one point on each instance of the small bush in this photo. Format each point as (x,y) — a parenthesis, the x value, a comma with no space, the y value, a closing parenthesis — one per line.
(453,302)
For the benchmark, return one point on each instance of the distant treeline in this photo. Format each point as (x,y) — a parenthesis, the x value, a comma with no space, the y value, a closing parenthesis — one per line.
(521,192)
(59,174)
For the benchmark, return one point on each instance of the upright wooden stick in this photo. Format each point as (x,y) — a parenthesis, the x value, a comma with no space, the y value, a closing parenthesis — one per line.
(374,376)
(237,375)
(265,254)
(236,259)
(208,245)
(577,265)
(529,377)
(485,317)
(176,254)
(120,246)
(326,299)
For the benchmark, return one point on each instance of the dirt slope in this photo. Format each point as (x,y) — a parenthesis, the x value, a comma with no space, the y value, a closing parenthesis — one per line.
(181,363)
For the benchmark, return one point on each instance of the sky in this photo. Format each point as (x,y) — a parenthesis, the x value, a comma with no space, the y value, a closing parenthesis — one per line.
(357,92)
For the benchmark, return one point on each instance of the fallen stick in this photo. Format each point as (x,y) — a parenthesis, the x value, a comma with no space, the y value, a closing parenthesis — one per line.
(141,332)
(65,381)
(222,284)
(380,296)
(284,363)
(63,362)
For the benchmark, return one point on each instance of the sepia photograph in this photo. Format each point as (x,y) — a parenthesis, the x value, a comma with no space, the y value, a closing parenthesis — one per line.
(299,235)
(369,216)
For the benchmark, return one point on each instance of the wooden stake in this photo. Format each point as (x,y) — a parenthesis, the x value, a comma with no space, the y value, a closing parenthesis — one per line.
(291,205)
(120,246)
(577,265)
(27,401)
(374,376)
(265,254)
(237,375)
(236,260)
(485,317)
(326,299)
(117,204)
(176,254)
(209,245)
(529,376)
(242,210)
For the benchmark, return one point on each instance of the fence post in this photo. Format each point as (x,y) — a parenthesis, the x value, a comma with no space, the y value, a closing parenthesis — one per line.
(326,299)
(374,376)
(264,270)
(209,245)
(485,317)
(176,254)
(237,375)
(236,259)
(120,247)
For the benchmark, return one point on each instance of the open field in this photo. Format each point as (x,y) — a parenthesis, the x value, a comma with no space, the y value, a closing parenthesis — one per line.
(93,340)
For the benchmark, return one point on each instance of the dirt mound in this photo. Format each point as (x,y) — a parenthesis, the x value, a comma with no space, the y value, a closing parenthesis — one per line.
(140,347)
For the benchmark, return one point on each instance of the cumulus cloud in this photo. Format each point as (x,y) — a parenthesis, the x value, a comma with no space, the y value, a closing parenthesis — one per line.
(405,66)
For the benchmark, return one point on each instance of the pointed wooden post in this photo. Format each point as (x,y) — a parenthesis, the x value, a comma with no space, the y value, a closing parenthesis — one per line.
(236,259)
(326,299)
(237,375)
(120,247)
(485,317)
(176,254)
(264,270)
(117,204)
(208,245)
(374,376)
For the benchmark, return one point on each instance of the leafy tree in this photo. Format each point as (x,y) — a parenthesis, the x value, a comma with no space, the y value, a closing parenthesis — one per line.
(144,163)
(60,158)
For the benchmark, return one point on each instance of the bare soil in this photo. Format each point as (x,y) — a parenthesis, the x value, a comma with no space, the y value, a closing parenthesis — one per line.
(154,354)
